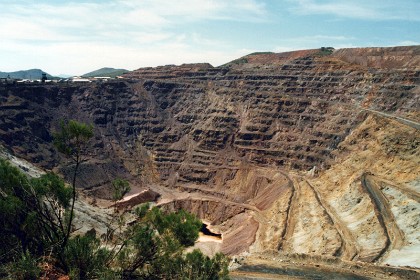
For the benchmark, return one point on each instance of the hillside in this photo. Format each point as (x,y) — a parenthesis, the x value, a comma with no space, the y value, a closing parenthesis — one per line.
(304,155)
(106,72)
(32,74)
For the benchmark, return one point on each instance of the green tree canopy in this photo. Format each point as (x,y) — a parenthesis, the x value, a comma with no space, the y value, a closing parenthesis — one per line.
(72,138)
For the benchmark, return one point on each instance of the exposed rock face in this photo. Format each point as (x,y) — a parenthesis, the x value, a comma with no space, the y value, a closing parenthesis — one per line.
(233,144)
(358,191)
(136,199)
(388,58)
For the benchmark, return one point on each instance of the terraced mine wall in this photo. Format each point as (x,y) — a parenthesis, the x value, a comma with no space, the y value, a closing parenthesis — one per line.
(231,136)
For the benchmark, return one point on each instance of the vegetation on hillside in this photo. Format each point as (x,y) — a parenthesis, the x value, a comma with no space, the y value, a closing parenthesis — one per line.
(323,51)
(260,53)
(238,61)
(36,218)
(106,72)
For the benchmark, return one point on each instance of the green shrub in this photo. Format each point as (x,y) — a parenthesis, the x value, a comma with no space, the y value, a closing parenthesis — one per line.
(32,212)
(154,248)
(85,258)
(182,224)
(324,51)
(201,267)
(24,268)
(120,188)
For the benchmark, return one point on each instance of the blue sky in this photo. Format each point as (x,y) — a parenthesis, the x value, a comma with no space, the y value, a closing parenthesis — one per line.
(75,37)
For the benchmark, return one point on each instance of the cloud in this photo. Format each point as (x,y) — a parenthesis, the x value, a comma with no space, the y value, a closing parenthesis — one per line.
(121,22)
(123,14)
(193,10)
(406,10)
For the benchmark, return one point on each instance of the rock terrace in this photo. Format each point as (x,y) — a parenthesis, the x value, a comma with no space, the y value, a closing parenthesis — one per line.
(279,152)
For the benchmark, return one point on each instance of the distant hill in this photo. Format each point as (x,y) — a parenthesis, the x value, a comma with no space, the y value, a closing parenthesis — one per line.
(34,74)
(65,76)
(106,72)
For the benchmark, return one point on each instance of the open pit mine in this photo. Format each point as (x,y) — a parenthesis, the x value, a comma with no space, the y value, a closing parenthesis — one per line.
(300,164)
